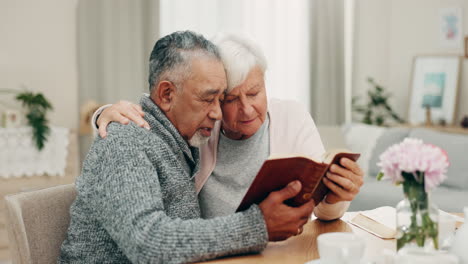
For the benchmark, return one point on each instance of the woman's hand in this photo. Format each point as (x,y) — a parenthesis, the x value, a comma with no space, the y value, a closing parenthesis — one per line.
(344,181)
(122,112)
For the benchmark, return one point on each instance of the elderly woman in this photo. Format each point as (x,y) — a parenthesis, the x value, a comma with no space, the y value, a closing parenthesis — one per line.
(252,129)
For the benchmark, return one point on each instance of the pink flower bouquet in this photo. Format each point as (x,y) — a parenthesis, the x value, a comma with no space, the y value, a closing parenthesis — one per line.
(414,157)
(419,168)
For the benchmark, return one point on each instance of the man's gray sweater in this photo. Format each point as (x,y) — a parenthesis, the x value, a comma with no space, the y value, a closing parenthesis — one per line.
(137,202)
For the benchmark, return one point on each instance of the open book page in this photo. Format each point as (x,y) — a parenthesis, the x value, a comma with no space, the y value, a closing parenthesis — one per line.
(291,155)
(328,156)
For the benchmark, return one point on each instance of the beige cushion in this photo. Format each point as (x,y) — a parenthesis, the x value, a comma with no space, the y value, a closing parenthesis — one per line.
(37,223)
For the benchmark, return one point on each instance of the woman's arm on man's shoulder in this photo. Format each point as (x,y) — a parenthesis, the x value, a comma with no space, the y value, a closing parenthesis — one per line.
(122,112)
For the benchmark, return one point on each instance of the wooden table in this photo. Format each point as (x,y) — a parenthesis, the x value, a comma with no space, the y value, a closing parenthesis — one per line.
(303,248)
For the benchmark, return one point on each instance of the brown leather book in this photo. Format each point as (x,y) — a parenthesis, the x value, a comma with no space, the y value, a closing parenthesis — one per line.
(277,172)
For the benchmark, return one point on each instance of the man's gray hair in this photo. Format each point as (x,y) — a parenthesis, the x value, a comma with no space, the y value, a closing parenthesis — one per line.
(171,57)
(239,55)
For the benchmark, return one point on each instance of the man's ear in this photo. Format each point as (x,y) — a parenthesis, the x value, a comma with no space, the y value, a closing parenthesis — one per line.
(164,95)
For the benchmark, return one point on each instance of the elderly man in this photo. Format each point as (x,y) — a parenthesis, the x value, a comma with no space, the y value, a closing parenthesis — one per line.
(137,201)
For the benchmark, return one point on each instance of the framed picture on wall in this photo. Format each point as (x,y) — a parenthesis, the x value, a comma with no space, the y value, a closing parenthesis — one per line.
(434,85)
(451,30)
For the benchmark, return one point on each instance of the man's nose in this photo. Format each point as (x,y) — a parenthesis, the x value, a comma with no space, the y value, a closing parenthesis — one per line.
(215,112)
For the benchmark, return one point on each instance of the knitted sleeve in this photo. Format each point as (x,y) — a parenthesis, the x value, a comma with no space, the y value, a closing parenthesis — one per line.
(126,199)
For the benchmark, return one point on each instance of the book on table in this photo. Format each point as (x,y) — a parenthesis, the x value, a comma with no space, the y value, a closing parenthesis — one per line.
(277,171)
(381,221)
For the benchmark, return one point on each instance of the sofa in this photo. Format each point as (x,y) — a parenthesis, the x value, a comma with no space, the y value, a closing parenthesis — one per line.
(371,141)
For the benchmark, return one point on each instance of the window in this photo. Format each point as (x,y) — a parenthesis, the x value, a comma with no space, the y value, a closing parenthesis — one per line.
(280,28)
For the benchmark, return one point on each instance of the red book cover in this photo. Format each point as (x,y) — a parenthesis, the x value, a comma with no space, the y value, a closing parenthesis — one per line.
(277,172)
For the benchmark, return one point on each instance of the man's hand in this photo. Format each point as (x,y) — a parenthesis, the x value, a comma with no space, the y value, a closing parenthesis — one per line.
(344,182)
(122,112)
(283,221)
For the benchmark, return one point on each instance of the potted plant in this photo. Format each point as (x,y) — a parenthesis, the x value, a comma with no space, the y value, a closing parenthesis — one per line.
(36,106)
(377,109)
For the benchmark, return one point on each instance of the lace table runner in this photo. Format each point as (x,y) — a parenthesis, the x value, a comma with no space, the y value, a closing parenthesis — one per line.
(20,157)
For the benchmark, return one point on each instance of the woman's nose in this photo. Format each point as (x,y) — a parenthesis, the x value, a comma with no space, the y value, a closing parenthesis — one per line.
(246,108)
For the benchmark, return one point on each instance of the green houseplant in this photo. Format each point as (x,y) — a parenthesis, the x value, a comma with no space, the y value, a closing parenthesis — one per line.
(377,109)
(36,106)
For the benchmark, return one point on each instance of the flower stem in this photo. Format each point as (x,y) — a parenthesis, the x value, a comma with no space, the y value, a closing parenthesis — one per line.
(421,226)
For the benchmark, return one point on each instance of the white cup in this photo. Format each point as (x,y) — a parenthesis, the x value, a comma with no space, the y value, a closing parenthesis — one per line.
(339,247)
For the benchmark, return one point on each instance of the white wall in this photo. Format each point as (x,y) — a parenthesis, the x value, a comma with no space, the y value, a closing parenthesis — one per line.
(372,18)
(388,36)
(38,49)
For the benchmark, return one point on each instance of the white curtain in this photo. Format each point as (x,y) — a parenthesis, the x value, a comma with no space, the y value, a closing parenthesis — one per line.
(328,96)
(281,28)
(115,38)
(302,40)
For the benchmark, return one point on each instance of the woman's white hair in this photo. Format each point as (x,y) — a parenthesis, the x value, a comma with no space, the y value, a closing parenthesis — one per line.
(239,55)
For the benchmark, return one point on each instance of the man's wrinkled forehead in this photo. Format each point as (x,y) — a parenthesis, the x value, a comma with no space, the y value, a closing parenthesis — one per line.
(209,73)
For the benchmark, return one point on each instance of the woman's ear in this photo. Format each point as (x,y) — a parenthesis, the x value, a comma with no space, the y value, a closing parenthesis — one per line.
(163,95)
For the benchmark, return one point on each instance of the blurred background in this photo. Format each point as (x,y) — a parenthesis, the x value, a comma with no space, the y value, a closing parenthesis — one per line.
(319,52)
(80,54)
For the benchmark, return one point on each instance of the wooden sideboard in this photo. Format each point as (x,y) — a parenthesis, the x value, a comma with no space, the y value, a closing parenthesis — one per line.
(446,129)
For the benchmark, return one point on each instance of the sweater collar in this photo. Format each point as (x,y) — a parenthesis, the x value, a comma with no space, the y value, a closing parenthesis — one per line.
(161,125)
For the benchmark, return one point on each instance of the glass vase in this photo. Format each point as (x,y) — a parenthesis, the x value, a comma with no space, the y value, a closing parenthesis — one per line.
(417,218)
